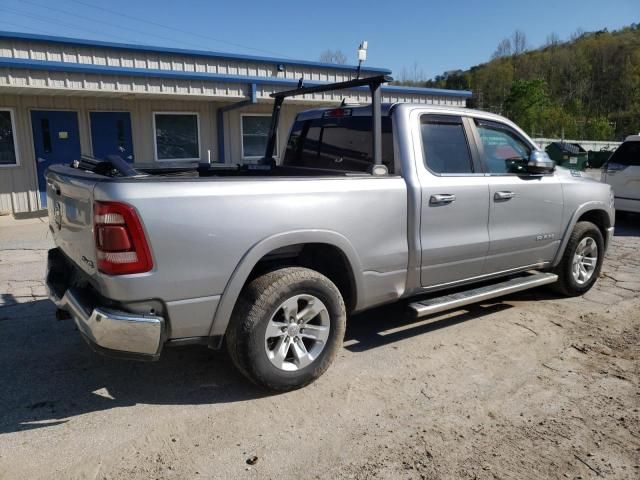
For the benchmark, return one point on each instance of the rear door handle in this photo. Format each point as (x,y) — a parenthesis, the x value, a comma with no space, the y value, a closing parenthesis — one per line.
(441,199)
(501,196)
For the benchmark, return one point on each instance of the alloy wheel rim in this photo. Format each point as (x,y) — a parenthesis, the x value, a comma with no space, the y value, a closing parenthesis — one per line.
(297,332)
(585,260)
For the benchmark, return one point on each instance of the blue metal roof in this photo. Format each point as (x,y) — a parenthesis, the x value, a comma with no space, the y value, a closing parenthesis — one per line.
(144,72)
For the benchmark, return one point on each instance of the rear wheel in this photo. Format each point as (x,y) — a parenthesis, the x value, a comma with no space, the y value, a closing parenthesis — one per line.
(582,260)
(287,328)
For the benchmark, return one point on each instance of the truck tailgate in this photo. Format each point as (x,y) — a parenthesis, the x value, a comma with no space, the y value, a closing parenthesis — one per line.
(70,207)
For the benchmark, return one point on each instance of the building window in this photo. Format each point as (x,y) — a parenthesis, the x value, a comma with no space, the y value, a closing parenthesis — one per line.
(8,147)
(177,136)
(255,134)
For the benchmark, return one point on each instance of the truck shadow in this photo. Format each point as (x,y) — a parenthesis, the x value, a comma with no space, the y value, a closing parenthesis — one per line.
(49,376)
(392,323)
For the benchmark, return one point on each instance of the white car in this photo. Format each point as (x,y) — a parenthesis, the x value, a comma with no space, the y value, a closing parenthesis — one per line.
(622,172)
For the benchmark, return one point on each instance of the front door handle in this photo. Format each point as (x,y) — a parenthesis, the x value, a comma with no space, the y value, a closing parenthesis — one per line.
(502,196)
(442,199)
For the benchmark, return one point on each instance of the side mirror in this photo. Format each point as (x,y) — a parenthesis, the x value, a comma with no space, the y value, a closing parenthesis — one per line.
(539,162)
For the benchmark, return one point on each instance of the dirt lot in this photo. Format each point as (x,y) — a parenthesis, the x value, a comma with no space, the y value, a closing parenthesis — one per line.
(533,386)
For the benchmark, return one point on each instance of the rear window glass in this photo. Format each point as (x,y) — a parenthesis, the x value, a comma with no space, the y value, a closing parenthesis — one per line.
(342,144)
(627,154)
(445,145)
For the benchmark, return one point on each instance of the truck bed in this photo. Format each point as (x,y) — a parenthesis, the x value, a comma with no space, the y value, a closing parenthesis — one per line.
(190,221)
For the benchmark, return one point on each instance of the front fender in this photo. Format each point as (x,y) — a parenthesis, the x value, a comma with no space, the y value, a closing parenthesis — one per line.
(581,210)
(258,251)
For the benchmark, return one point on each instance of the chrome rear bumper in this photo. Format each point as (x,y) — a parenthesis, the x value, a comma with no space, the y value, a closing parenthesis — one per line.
(113,333)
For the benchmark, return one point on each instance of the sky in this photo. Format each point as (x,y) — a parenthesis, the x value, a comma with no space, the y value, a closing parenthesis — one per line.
(428,37)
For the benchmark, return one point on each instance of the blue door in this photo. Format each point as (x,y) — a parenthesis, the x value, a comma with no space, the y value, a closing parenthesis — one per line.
(56,140)
(111,134)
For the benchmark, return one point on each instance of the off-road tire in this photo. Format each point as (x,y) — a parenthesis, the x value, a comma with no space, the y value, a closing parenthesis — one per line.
(566,284)
(257,303)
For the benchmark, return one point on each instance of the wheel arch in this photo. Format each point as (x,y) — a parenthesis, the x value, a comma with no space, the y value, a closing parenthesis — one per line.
(595,212)
(261,251)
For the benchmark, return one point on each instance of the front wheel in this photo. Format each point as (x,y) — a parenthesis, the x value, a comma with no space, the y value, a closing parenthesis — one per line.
(582,260)
(286,328)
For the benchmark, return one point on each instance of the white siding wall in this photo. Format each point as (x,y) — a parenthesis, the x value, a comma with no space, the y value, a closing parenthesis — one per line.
(18,185)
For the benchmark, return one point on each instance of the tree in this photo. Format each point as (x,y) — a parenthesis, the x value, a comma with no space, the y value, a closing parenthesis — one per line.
(519,42)
(599,129)
(553,40)
(590,84)
(503,49)
(333,56)
(579,33)
(526,103)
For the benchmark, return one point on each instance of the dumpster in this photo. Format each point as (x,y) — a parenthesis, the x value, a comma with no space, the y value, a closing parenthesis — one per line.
(598,158)
(568,155)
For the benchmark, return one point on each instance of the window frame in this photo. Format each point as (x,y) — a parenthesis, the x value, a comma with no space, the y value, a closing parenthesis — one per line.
(478,170)
(12,118)
(276,150)
(155,138)
(480,146)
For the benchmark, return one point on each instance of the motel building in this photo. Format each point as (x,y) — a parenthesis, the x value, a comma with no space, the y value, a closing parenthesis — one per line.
(61,98)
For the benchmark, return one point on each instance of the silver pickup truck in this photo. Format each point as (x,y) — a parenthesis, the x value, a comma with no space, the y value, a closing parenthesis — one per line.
(368,205)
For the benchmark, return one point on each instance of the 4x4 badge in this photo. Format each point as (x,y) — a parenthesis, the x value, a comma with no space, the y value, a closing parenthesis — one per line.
(545,236)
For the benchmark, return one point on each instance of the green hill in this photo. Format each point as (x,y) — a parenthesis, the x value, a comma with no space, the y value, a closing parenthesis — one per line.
(588,87)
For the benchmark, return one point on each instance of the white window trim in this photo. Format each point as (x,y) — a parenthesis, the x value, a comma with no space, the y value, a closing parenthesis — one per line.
(155,139)
(255,157)
(12,116)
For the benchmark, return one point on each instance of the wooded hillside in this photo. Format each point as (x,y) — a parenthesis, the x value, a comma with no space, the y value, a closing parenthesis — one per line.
(588,86)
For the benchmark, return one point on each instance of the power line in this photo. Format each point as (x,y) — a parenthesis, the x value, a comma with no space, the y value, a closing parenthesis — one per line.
(186,32)
(25,27)
(91,19)
(58,22)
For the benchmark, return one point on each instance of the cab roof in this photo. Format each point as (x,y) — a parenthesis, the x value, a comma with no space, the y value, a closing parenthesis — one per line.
(387,108)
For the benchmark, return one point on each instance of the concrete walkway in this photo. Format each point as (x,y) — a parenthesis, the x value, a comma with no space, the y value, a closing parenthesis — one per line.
(25,234)
(23,252)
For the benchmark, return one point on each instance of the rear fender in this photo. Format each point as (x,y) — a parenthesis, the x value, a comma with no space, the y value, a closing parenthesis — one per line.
(257,252)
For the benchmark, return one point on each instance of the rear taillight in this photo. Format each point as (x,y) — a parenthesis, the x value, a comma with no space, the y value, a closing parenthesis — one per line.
(121,245)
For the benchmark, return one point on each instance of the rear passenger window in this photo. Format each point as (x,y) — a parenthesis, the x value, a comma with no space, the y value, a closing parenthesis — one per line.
(444,144)
(341,143)
(503,151)
(627,154)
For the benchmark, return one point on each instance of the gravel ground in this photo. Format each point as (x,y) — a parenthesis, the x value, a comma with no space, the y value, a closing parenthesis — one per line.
(529,386)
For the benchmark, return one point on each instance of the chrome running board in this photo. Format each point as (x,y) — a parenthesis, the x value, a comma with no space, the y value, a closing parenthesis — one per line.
(479,294)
